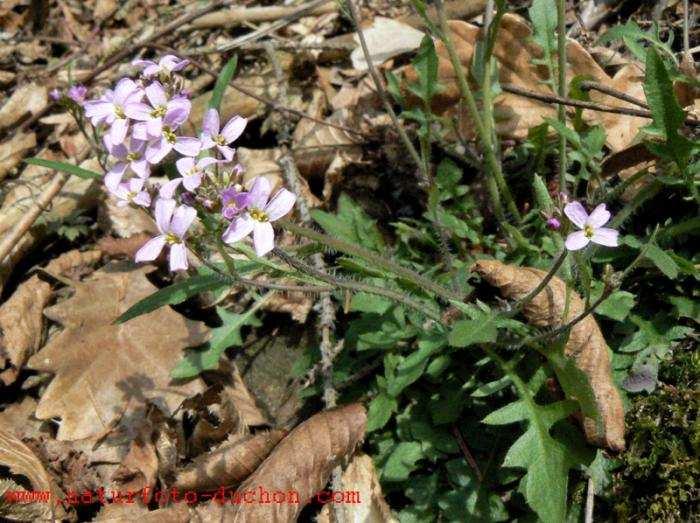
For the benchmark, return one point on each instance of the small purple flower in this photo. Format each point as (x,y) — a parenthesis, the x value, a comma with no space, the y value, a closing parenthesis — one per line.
(213,136)
(165,66)
(174,110)
(553,224)
(112,108)
(258,216)
(172,223)
(233,202)
(55,95)
(129,155)
(131,192)
(592,229)
(192,172)
(77,93)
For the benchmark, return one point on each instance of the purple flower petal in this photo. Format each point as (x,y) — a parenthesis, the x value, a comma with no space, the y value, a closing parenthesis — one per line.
(576,213)
(143,199)
(158,150)
(138,111)
(210,124)
(192,181)
(140,132)
(150,250)
(187,145)
(167,190)
(140,167)
(123,89)
(178,257)
(280,204)
(234,128)
(114,176)
(164,212)
(98,109)
(226,151)
(151,70)
(185,165)
(599,217)
(576,241)
(263,238)
(239,228)
(154,127)
(605,236)
(260,192)
(156,94)
(182,219)
(178,111)
(117,133)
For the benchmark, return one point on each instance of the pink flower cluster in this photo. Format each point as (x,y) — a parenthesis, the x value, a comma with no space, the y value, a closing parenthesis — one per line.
(142,122)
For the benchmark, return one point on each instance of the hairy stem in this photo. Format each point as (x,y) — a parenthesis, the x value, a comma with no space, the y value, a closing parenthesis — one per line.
(561,85)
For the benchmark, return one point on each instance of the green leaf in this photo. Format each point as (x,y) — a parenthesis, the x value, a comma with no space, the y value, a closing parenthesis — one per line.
(64,167)
(662,260)
(222,82)
(617,306)
(365,302)
(426,66)
(545,459)
(471,332)
(665,110)
(228,335)
(174,294)
(402,461)
(351,224)
(686,307)
(380,410)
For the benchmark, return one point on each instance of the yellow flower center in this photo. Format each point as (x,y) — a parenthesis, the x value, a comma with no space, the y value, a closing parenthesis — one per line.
(133,156)
(169,134)
(172,239)
(588,231)
(119,112)
(219,140)
(258,215)
(158,112)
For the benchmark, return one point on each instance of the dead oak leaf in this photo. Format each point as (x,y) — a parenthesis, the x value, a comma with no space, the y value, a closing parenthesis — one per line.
(99,366)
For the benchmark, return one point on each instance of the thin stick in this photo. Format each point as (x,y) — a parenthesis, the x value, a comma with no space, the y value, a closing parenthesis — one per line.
(467,453)
(540,286)
(590,498)
(588,85)
(22,226)
(555,99)
(561,85)
(382,93)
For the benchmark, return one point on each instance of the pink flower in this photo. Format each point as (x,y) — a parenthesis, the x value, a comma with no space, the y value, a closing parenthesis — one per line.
(233,202)
(553,224)
(55,95)
(258,216)
(131,192)
(129,155)
(152,116)
(173,224)
(77,93)
(213,136)
(592,229)
(113,106)
(192,172)
(166,65)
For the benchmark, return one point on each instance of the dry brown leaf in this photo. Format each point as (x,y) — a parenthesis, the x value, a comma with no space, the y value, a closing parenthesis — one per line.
(229,464)
(130,512)
(22,324)
(27,99)
(360,476)
(586,343)
(100,366)
(297,304)
(20,459)
(302,463)
(18,418)
(12,151)
(514,114)
(385,39)
(238,394)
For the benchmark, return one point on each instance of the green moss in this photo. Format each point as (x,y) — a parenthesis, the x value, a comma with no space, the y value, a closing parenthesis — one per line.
(660,476)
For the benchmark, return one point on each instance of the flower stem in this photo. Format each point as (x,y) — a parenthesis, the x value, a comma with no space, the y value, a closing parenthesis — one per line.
(561,111)
(540,286)
(388,265)
(492,163)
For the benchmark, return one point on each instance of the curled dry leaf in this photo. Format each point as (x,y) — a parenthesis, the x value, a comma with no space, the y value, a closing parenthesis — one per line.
(229,464)
(27,99)
(360,476)
(515,51)
(238,394)
(21,316)
(20,459)
(13,150)
(100,367)
(301,464)
(586,343)
(385,38)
